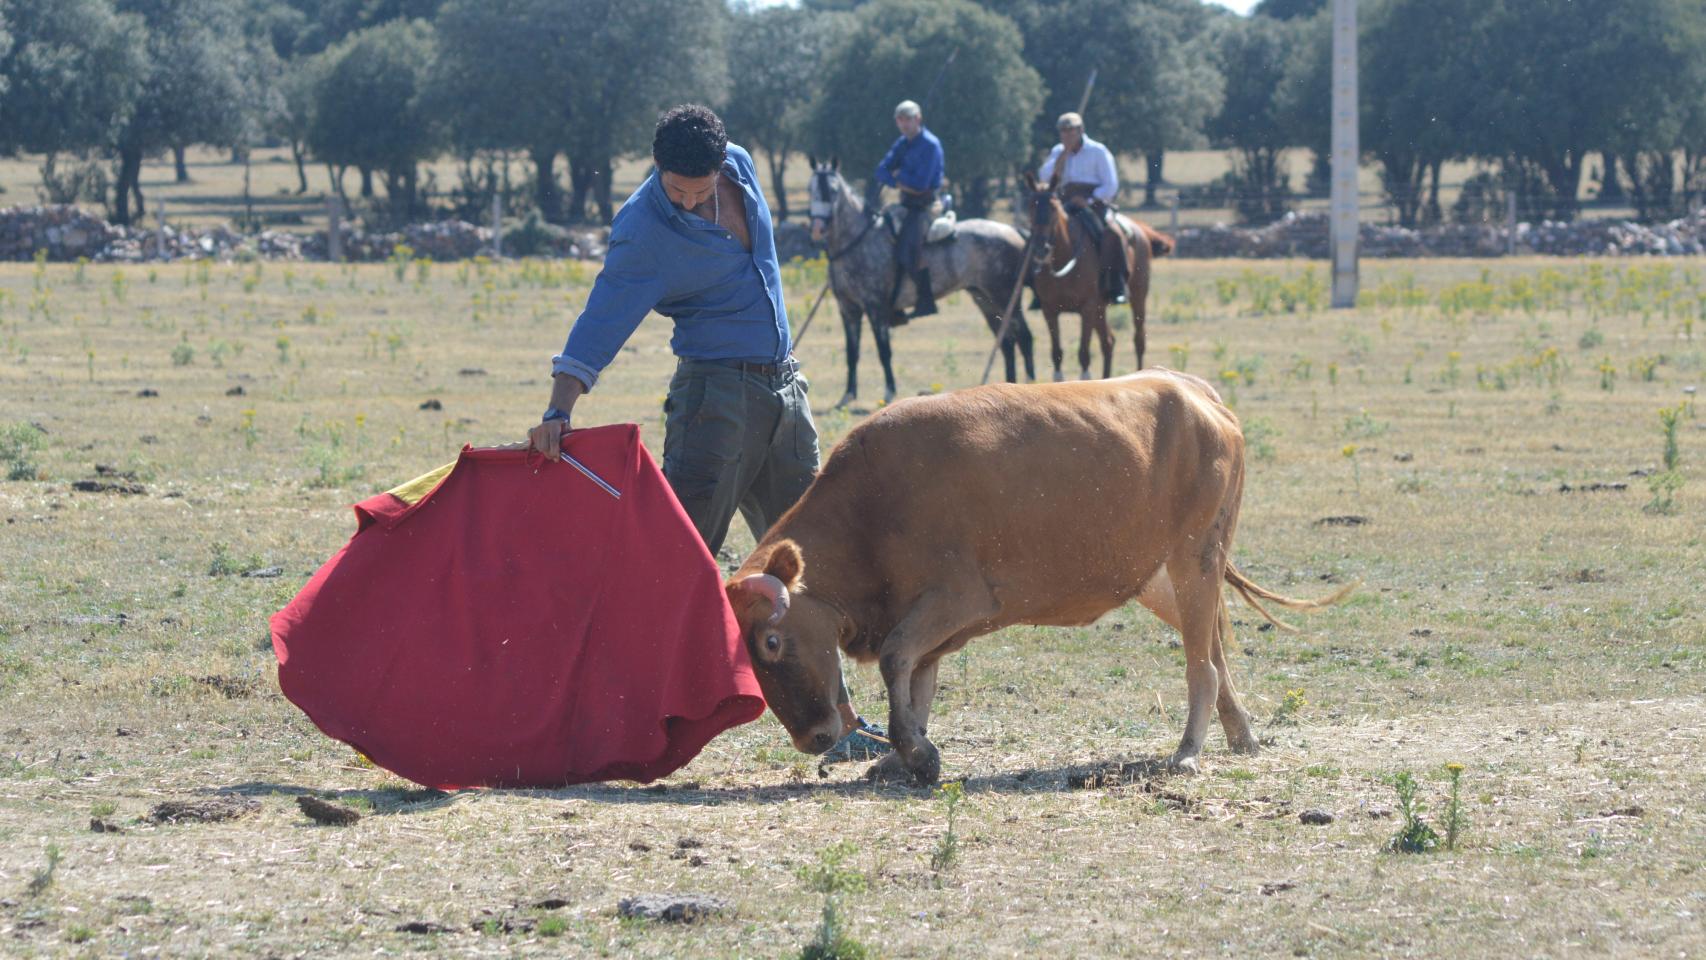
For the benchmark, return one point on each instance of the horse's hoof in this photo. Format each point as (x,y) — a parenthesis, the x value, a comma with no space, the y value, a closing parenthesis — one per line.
(1058,376)
(888,396)
(1085,375)
(846,399)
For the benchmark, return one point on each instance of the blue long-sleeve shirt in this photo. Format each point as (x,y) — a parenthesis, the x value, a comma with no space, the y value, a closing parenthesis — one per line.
(726,301)
(921,165)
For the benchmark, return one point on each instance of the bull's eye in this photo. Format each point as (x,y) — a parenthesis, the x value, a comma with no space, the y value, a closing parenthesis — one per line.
(772,644)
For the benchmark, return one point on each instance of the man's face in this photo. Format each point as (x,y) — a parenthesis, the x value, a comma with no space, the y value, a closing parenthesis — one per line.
(1072,138)
(687,192)
(909,126)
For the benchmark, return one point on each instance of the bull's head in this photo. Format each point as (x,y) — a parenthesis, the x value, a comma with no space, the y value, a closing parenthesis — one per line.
(792,638)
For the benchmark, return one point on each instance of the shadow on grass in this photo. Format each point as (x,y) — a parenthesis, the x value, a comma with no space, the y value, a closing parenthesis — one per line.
(1061,779)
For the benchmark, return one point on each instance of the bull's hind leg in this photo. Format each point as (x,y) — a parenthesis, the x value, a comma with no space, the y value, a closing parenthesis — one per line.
(1233,717)
(1158,596)
(1199,607)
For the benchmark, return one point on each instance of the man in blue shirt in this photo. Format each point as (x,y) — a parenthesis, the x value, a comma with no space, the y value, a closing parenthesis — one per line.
(694,243)
(914,164)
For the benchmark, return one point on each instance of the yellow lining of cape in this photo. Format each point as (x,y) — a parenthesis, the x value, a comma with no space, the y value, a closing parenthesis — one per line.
(411,492)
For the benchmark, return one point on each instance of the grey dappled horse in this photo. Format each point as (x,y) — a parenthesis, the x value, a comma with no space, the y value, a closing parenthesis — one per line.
(983,258)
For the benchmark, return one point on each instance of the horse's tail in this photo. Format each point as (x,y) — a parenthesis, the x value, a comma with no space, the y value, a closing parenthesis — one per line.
(1160,244)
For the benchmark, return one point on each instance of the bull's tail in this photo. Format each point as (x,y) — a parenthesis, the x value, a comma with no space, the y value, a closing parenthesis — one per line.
(1253,594)
(1160,244)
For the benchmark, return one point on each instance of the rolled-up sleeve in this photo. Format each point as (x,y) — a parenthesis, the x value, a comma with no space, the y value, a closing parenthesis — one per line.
(1107,177)
(628,287)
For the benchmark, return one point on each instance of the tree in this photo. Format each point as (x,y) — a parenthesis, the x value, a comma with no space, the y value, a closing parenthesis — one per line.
(631,61)
(1253,55)
(369,111)
(1289,9)
(503,81)
(192,89)
(72,72)
(1652,127)
(1419,108)
(982,110)
(1156,80)
(1582,72)
(774,54)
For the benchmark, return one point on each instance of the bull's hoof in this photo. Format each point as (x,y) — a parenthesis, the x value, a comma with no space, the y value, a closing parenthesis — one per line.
(1245,744)
(890,769)
(1184,765)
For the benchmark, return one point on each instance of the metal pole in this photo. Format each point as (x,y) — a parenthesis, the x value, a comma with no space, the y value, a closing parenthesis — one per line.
(1173,220)
(1345,155)
(1510,222)
(334,230)
(497,226)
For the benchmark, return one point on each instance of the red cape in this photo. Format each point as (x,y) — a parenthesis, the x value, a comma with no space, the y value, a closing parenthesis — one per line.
(507,622)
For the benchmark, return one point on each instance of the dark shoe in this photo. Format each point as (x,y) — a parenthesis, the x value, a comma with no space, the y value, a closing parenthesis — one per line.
(1116,290)
(925,304)
(867,742)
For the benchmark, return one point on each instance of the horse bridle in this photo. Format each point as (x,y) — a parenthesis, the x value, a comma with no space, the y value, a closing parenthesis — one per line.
(824,210)
(1038,198)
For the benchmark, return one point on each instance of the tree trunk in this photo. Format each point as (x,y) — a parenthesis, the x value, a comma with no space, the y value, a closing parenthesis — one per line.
(1564,177)
(1152,161)
(580,187)
(976,200)
(545,193)
(1432,212)
(1610,185)
(183,169)
(129,170)
(300,158)
(366,183)
(606,209)
(336,175)
(778,160)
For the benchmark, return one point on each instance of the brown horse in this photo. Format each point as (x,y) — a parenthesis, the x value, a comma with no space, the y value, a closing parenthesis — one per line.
(1069,281)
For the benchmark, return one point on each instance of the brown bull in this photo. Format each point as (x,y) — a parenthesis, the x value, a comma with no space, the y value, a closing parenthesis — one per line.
(945,518)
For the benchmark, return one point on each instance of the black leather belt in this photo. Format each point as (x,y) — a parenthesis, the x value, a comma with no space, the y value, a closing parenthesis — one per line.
(789,365)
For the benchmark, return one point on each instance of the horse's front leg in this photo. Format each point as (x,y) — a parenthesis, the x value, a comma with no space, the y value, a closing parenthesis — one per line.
(852,326)
(885,353)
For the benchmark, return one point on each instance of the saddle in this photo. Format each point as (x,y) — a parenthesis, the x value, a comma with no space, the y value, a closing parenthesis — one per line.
(943,226)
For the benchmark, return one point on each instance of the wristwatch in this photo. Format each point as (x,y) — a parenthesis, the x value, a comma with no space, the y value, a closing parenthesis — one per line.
(552,413)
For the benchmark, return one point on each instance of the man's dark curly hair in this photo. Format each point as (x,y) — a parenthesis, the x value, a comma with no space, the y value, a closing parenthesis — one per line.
(690,141)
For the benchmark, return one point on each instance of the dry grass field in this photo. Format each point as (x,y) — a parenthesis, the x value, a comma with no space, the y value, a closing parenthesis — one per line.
(1485,438)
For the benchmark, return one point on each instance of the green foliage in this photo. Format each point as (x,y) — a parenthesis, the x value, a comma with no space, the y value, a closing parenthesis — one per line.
(18,445)
(982,109)
(947,852)
(1414,834)
(776,52)
(42,879)
(832,877)
(369,110)
(72,75)
(1253,55)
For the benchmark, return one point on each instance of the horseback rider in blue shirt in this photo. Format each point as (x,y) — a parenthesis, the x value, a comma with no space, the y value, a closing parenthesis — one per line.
(914,165)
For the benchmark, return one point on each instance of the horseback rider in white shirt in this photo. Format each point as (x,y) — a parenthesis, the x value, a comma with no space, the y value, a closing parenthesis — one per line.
(1089,183)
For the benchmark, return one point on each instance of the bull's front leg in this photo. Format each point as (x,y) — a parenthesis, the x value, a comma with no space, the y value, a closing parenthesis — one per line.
(908,661)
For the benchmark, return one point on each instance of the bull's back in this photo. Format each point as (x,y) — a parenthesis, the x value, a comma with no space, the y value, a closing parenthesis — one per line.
(1083,485)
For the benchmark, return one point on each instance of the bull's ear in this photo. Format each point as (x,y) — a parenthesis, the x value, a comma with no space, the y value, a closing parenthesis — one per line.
(786,564)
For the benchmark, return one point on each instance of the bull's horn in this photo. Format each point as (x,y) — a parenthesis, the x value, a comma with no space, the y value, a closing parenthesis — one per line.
(771,589)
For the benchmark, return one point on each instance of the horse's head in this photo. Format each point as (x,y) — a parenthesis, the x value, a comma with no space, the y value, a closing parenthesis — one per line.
(826,186)
(1045,206)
